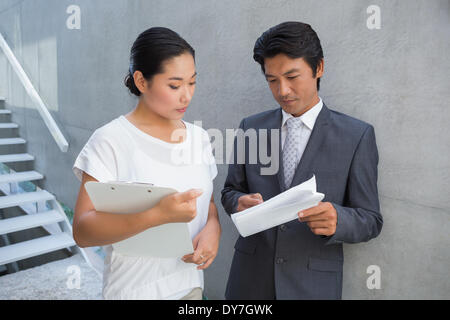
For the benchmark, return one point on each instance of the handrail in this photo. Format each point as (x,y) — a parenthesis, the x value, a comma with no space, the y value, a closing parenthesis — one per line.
(41,107)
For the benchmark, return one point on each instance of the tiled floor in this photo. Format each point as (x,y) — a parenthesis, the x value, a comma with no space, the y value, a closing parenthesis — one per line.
(68,279)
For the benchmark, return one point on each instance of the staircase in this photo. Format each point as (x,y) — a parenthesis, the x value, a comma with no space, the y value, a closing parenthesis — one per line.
(40,206)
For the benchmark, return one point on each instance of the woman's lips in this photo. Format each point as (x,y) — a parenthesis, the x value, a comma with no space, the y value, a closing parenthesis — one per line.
(182,110)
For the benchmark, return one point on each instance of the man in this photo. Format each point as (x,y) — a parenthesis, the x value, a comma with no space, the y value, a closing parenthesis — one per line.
(302,259)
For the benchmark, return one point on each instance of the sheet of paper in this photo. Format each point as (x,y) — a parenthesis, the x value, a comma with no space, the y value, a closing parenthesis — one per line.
(277,210)
(171,240)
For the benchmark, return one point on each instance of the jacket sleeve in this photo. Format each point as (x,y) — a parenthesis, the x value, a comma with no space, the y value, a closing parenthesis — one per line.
(236,182)
(360,220)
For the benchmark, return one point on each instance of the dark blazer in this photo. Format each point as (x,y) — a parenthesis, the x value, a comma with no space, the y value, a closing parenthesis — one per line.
(289,261)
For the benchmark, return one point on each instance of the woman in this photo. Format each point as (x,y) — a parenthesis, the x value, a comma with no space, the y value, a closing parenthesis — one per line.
(146,145)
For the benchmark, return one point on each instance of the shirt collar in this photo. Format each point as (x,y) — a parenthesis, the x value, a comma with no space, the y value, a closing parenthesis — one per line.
(308,118)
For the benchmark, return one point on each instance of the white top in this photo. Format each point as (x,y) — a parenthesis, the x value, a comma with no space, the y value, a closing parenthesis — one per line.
(308,121)
(119,151)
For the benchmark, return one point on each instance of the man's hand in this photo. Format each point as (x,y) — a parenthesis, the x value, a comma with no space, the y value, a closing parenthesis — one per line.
(321,219)
(248,201)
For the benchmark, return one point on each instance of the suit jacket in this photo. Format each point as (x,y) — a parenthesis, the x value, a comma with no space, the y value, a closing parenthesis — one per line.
(289,261)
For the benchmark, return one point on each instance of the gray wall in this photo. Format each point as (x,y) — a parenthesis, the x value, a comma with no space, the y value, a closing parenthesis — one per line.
(396,78)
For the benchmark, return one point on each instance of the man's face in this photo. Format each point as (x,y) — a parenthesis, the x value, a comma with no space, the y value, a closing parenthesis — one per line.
(292,83)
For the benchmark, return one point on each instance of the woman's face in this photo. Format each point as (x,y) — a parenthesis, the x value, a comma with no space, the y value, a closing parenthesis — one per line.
(169,93)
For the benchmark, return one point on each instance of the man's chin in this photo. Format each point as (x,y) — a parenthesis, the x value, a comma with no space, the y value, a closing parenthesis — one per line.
(296,110)
(291,109)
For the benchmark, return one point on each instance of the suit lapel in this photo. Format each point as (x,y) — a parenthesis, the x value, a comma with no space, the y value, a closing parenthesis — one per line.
(275,123)
(318,135)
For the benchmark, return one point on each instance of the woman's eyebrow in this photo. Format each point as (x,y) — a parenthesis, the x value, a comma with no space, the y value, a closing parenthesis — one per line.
(181,79)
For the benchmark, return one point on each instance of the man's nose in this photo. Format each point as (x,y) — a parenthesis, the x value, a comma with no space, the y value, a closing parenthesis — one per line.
(284,89)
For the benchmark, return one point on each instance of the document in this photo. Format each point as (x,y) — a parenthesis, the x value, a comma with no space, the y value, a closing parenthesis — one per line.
(277,210)
(171,240)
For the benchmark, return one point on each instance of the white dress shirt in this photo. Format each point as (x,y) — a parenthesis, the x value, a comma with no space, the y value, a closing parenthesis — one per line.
(308,121)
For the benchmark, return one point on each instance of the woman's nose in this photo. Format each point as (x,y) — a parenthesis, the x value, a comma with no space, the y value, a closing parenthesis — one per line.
(186,96)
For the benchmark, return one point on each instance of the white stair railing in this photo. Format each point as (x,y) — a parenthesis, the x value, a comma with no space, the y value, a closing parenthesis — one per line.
(41,107)
(53,220)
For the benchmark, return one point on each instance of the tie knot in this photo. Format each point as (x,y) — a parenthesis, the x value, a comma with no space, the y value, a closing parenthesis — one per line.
(294,123)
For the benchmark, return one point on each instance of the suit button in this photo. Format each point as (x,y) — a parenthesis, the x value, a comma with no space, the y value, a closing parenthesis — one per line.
(283,227)
(280,260)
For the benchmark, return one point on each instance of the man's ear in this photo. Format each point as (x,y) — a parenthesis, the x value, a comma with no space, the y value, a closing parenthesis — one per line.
(319,70)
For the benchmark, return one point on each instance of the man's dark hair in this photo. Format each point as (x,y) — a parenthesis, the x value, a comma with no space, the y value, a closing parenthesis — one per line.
(295,39)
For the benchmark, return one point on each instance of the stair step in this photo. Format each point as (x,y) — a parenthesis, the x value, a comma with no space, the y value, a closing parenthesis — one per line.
(5,111)
(8,125)
(20,176)
(35,247)
(5,141)
(29,221)
(26,197)
(16,157)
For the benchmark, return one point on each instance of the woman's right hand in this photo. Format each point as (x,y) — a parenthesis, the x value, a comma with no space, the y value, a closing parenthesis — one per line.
(180,206)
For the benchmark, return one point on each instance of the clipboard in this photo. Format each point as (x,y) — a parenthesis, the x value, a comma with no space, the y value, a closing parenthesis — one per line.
(171,240)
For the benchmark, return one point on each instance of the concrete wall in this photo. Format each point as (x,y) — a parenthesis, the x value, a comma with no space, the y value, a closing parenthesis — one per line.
(396,78)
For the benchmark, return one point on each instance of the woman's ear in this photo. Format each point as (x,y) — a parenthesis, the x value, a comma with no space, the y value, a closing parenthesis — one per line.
(140,81)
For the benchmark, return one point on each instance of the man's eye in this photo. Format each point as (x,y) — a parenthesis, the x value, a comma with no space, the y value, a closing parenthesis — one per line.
(271,80)
(173,87)
(290,78)
(192,83)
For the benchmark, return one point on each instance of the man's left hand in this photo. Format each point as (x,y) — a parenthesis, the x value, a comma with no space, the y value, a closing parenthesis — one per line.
(321,219)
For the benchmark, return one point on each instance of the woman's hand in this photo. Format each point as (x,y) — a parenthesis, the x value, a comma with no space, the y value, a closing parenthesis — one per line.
(206,245)
(179,207)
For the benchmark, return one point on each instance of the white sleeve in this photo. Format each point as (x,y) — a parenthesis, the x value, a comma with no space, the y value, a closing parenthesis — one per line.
(208,156)
(97,158)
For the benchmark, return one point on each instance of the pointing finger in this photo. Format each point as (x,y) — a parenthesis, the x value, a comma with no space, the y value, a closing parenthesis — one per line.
(189,195)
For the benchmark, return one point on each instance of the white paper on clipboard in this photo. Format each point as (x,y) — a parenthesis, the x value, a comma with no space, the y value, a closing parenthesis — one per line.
(171,240)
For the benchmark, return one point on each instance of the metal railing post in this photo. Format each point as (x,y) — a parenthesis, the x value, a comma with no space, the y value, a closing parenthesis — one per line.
(35,97)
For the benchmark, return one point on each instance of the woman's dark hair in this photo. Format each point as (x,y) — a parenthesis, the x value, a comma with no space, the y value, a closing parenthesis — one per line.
(295,39)
(150,50)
